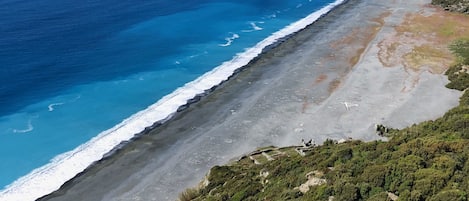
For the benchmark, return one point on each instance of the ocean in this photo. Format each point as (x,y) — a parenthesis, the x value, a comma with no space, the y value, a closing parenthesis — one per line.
(77,78)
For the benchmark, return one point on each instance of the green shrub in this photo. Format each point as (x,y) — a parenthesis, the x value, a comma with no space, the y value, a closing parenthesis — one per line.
(453,195)
(346,192)
(461,49)
(459,78)
(188,194)
(375,175)
(383,196)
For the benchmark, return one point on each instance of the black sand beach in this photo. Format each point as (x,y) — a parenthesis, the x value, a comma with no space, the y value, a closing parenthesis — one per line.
(323,82)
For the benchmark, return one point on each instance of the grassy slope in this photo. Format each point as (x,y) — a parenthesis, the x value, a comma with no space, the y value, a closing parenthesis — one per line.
(428,161)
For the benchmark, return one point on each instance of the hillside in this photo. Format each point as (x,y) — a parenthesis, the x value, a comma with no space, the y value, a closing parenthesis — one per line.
(428,161)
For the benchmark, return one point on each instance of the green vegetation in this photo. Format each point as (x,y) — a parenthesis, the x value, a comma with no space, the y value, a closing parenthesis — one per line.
(459,74)
(461,6)
(189,194)
(461,49)
(428,161)
(447,2)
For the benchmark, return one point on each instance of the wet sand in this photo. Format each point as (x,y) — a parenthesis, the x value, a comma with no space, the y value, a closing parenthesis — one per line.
(326,81)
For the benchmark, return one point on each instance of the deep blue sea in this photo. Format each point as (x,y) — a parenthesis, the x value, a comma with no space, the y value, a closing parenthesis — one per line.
(79,77)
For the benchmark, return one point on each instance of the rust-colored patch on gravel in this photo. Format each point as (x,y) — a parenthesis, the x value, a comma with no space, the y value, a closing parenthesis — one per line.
(352,46)
(320,79)
(421,41)
(334,85)
(307,101)
(350,38)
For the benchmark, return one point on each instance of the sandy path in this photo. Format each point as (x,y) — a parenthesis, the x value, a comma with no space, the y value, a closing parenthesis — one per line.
(325,82)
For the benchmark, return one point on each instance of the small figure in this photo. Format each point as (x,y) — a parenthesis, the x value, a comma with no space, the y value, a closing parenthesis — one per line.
(381,130)
(307,144)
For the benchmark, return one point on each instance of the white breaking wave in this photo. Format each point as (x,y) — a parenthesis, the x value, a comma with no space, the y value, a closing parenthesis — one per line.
(272,16)
(229,40)
(64,167)
(254,27)
(51,106)
(27,130)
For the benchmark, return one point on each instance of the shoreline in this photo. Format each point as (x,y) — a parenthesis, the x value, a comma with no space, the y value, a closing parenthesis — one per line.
(260,95)
(31,186)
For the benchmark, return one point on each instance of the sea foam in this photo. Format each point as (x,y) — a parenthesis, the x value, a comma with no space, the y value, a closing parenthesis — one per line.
(254,27)
(26,130)
(51,107)
(64,167)
(229,40)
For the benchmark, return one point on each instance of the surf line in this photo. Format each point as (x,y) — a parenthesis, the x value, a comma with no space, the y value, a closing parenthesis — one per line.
(67,165)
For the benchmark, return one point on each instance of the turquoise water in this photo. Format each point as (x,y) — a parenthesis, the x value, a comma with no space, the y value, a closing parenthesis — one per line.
(77,78)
